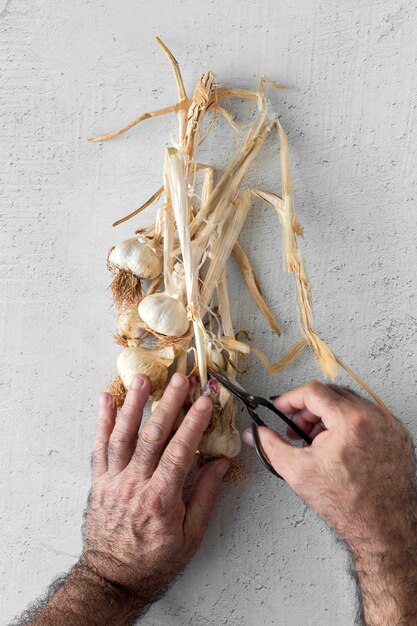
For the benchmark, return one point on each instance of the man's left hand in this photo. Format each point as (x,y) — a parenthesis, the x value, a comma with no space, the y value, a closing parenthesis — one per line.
(140,533)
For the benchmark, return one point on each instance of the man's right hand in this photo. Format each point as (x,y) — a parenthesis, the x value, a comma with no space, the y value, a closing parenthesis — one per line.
(359,476)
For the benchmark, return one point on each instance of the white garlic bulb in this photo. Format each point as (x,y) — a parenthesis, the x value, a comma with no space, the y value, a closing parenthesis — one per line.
(153,363)
(222,441)
(130,325)
(137,256)
(164,314)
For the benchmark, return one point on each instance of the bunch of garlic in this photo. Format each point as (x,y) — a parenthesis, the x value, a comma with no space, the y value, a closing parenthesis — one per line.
(152,318)
(186,308)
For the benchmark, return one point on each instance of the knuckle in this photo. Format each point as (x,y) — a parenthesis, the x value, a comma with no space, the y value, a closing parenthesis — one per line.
(316,387)
(119,438)
(177,452)
(166,404)
(192,422)
(152,433)
(359,419)
(125,491)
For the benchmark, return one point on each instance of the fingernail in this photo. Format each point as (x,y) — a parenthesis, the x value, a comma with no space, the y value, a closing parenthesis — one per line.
(202,404)
(222,467)
(178,380)
(137,383)
(103,399)
(248,438)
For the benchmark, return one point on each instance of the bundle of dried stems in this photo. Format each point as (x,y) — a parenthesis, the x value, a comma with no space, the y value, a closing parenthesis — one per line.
(170,282)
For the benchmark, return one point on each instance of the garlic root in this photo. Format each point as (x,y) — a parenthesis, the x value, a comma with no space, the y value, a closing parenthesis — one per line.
(118,391)
(126,288)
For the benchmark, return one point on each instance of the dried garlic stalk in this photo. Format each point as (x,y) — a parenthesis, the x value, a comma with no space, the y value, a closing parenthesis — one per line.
(170,279)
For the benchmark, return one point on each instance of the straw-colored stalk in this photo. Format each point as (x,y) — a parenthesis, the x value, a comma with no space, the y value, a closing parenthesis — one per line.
(196,234)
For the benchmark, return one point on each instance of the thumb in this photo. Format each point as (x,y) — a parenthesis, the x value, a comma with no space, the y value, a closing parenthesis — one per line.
(203,497)
(281,454)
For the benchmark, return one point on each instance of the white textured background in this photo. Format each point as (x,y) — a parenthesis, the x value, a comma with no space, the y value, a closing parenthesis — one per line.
(70,69)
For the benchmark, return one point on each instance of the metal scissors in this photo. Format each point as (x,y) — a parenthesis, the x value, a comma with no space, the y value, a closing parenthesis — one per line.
(252,402)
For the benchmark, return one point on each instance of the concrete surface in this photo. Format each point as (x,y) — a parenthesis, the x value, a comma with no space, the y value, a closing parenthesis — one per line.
(70,69)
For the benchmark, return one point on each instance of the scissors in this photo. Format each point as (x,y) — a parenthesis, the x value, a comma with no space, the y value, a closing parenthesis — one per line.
(252,402)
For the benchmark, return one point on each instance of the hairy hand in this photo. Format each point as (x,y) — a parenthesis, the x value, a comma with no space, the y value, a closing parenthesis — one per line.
(139,532)
(358,474)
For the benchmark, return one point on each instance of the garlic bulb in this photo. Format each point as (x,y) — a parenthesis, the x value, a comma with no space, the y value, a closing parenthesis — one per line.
(224,439)
(136,256)
(164,314)
(130,325)
(153,363)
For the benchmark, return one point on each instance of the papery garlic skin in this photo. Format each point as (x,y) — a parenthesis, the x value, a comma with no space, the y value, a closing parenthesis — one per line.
(153,363)
(217,359)
(224,396)
(136,256)
(224,438)
(130,325)
(176,288)
(222,441)
(164,315)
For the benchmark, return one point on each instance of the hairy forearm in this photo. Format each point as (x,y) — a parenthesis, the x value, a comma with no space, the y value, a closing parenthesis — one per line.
(386,568)
(86,598)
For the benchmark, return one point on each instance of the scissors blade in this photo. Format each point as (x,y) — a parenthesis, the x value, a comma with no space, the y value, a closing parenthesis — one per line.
(230,384)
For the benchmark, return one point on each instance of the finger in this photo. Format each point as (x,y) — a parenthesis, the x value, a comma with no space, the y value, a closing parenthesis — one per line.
(305,420)
(203,497)
(105,423)
(284,457)
(317,429)
(320,400)
(158,428)
(123,438)
(179,454)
